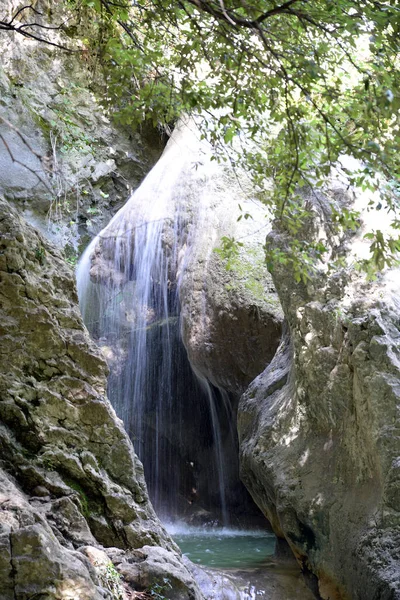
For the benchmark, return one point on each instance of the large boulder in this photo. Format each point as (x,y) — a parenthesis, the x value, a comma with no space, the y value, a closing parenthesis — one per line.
(69,475)
(319,428)
(231,314)
(162,572)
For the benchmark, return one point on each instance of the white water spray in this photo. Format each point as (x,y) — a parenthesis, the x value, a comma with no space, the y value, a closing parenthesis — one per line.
(128,285)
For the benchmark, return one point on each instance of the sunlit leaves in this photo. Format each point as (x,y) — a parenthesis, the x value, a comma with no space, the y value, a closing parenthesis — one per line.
(229,250)
(384,252)
(304,85)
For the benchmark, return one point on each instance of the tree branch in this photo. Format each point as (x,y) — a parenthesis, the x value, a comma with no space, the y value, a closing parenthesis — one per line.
(19,27)
(233,19)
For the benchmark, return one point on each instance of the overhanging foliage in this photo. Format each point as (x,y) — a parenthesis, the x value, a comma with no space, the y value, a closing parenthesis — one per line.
(305,82)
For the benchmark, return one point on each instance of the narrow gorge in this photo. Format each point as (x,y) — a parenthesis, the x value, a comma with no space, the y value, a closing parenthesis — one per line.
(135,281)
(199,372)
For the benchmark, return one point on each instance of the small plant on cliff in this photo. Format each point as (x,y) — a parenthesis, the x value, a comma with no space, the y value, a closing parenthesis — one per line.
(157,590)
(40,254)
(229,249)
(111,580)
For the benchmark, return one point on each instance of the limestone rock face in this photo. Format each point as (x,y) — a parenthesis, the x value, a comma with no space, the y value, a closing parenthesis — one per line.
(162,571)
(68,473)
(319,429)
(32,560)
(231,318)
(88,165)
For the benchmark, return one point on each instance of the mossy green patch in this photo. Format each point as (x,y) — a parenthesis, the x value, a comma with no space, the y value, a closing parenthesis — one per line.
(249,270)
(83,498)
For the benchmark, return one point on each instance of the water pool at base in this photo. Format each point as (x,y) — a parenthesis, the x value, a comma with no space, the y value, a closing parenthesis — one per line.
(225,548)
(246,559)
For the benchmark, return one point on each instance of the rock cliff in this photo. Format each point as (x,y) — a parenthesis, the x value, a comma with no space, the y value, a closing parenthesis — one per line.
(203,203)
(319,428)
(64,163)
(69,475)
(167,233)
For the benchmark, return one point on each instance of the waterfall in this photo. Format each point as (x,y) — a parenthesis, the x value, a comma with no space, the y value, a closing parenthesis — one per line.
(128,285)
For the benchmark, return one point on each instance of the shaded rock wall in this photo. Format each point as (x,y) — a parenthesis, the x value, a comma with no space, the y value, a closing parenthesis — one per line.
(319,429)
(68,473)
(53,98)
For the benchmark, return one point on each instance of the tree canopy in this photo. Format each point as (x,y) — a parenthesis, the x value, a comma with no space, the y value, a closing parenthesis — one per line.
(304,81)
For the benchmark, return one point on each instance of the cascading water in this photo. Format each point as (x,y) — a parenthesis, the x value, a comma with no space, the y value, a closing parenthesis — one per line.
(182,428)
(128,285)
